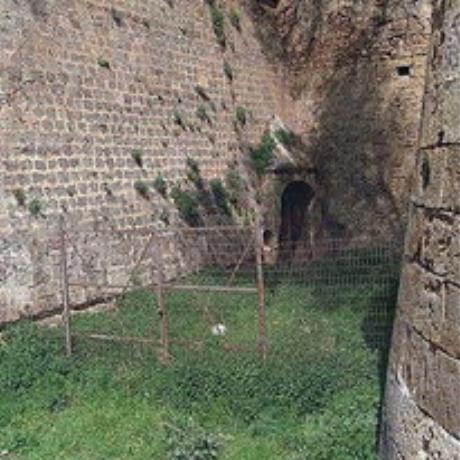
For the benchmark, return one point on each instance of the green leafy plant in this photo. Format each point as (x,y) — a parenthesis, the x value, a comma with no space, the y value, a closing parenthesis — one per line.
(235,19)
(220,195)
(20,196)
(187,206)
(261,157)
(160,185)
(104,63)
(235,186)
(217,18)
(142,188)
(241,115)
(202,114)
(178,119)
(188,441)
(137,156)
(228,71)
(284,136)
(193,173)
(36,207)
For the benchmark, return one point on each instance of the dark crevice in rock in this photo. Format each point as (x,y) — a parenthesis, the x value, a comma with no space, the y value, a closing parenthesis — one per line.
(434,346)
(438,212)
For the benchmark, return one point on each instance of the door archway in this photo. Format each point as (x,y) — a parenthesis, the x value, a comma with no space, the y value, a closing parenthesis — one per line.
(295,202)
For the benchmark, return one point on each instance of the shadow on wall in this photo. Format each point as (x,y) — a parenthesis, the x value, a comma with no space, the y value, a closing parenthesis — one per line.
(360,127)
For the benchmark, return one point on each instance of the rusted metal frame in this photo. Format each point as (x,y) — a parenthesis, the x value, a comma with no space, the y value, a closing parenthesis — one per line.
(66,313)
(261,311)
(158,255)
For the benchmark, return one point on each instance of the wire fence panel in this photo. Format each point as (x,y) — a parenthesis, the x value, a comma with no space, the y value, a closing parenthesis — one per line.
(197,288)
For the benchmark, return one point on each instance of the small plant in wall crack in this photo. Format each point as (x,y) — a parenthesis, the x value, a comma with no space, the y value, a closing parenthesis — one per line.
(194,173)
(235,186)
(261,157)
(179,119)
(228,71)
(217,18)
(104,63)
(187,206)
(220,195)
(202,114)
(160,185)
(142,188)
(241,116)
(36,208)
(137,155)
(284,136)
(235,19)
(20,196)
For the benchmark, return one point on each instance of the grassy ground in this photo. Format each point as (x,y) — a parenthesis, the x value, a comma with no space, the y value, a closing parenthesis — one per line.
(316,397)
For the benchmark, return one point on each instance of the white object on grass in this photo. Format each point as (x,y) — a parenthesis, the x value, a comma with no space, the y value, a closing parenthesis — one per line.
(219,329)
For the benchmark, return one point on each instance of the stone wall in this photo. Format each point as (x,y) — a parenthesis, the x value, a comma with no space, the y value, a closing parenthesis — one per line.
(355,71)
(422,414)
(87,85)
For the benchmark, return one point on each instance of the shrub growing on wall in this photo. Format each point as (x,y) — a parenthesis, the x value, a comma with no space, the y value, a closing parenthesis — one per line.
(261,157)
(217,18)
(160,185)
(187,206)
(220,195)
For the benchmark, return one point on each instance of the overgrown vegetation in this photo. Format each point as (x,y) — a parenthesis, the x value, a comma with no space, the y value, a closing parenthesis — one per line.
(261,157)
(218,20)
(187,206)
(221,197)
(160,185)
(235,19)
(235,185)
(241,115)
(202,114)
(193,173)
(36,208)
(137,156)
(285,137)
(142,188)
(316,397)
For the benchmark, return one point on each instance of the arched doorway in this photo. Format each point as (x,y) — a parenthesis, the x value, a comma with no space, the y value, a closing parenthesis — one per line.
(295,201)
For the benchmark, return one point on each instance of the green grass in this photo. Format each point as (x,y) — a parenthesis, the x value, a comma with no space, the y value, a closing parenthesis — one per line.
(316,397)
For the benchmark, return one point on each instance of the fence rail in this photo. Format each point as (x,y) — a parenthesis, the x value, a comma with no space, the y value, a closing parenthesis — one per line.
(207,265)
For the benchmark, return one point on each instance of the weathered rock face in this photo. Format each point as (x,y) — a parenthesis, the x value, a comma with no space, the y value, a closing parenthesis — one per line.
(355,70)
(422,414)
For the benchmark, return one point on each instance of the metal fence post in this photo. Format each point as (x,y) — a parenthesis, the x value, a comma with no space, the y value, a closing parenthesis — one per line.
(66,316)
(160,296)
(261,311)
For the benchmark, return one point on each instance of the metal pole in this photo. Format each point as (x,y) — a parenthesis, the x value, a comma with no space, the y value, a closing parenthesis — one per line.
(261,313)
(161,304)
(65,288)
